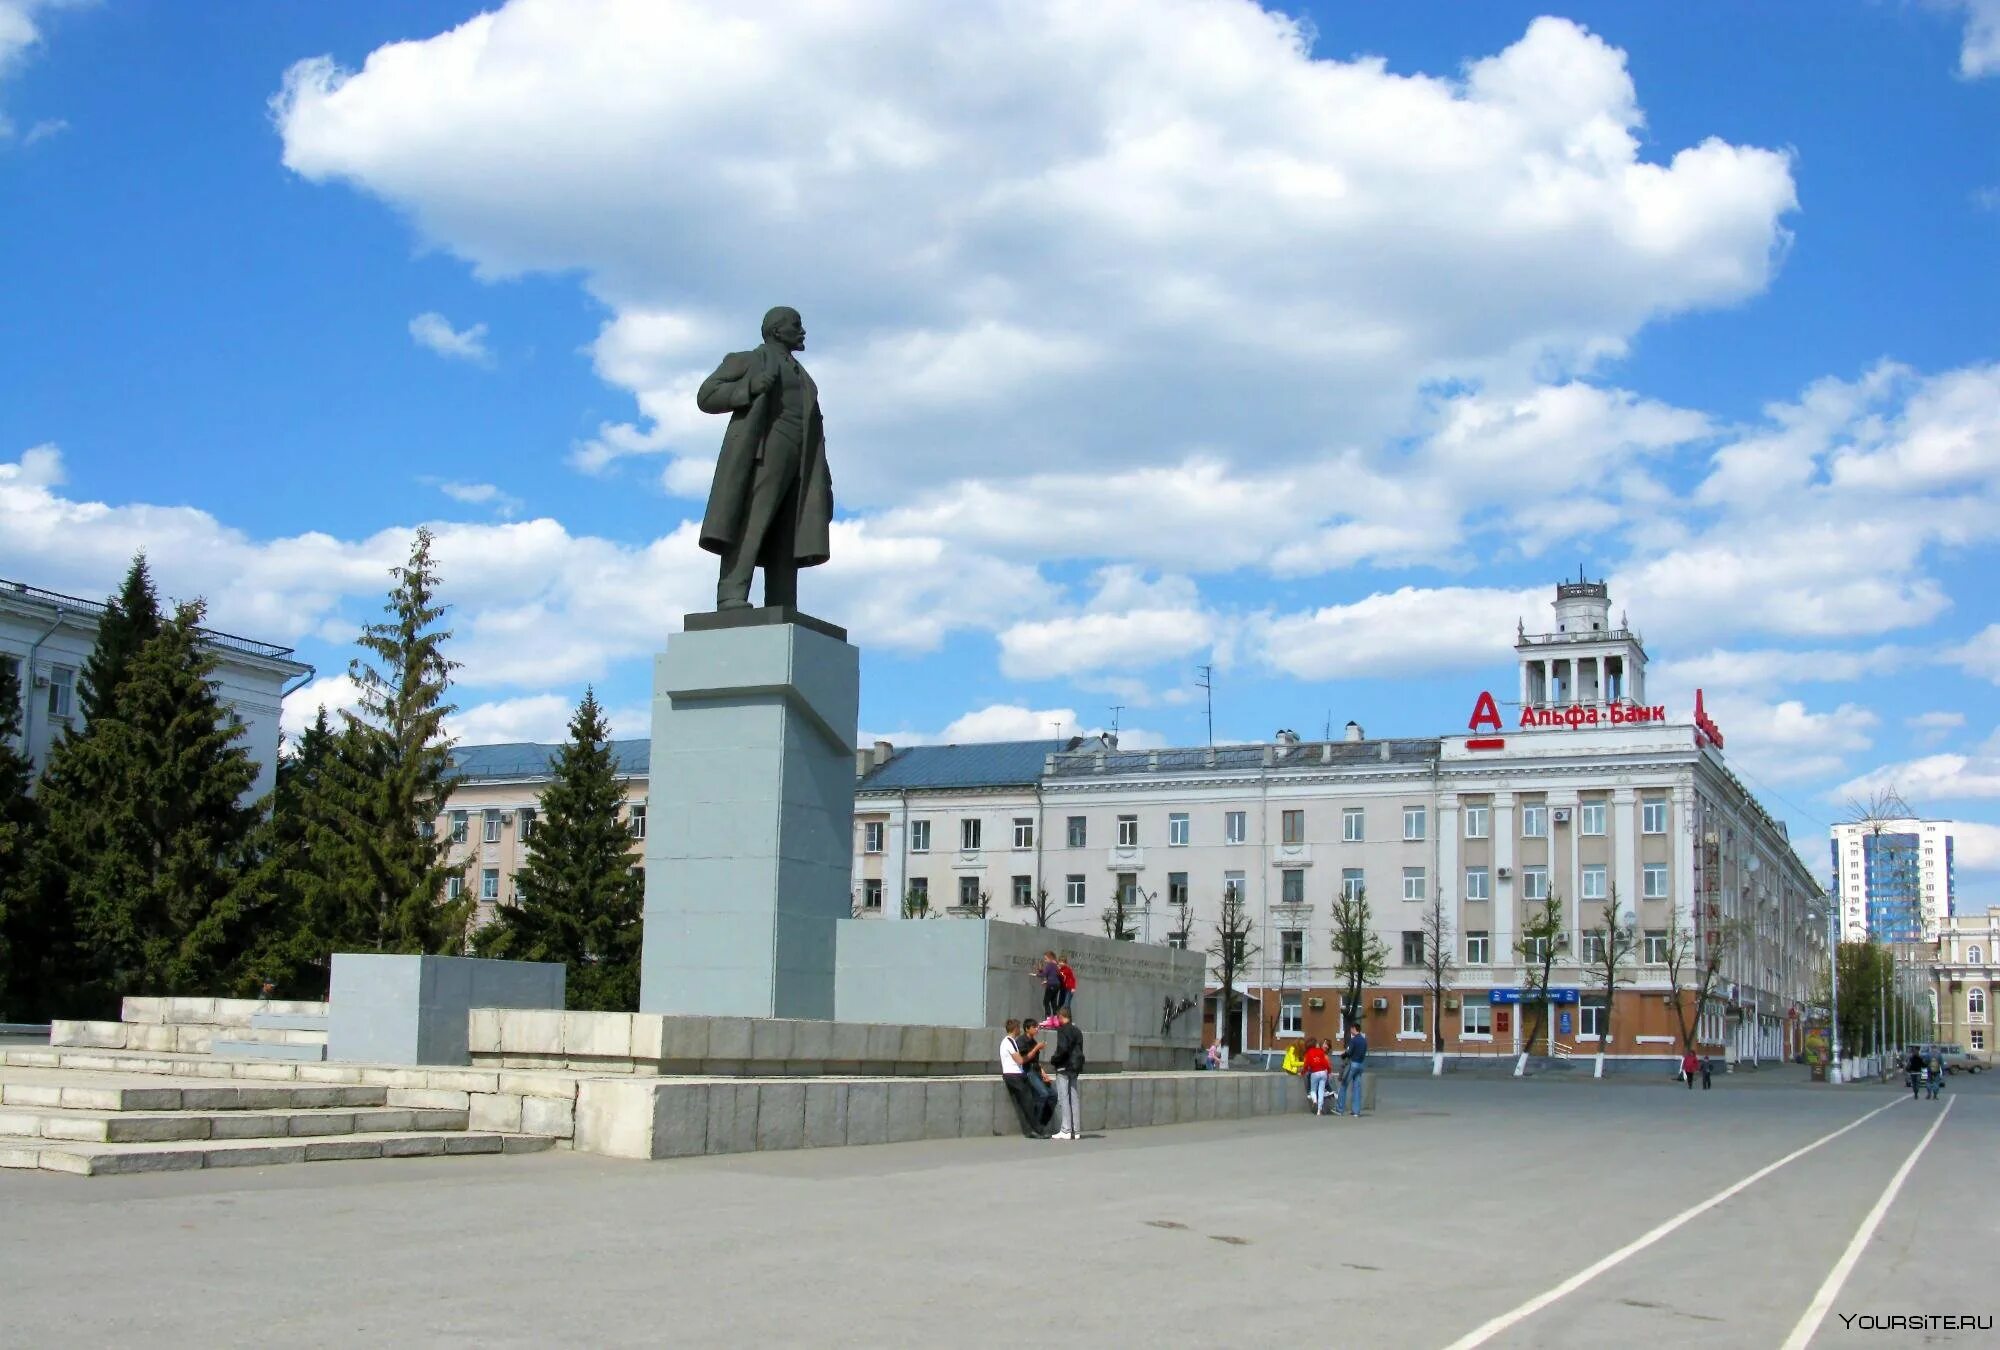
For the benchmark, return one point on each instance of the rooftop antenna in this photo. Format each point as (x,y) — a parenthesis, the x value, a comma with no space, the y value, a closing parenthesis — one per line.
(1206,683)
(1058,726)
(1116,708)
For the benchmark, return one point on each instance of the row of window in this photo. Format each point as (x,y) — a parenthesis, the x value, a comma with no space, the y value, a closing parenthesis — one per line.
(1475,1018)
(1479,948)
(489,824)
(1535,819)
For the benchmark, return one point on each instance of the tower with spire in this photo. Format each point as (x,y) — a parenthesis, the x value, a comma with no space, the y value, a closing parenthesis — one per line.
(1585,662)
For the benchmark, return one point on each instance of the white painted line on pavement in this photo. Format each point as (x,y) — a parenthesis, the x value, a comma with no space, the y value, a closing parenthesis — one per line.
(1487,1330)
(1808,1325)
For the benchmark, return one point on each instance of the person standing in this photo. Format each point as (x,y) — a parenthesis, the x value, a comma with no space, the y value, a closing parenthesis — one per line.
(1068,978)
(1348,1097)
(1707,1067)
(1015,1079)
(1040,1084)
(1689,1067)
(1051,984)
(1934,1067)
(1318,1068)
(1915,1068)
(1067,1061)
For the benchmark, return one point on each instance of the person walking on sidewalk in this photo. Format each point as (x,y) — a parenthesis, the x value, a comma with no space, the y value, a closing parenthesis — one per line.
(1317,1068)
(1067,1061)
(1916,1068)
(1707,1067)
(1934,1069)
(1690,1066)
(1348,1098)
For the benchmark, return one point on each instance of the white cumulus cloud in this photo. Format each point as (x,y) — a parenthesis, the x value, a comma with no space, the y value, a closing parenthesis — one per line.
(433,331)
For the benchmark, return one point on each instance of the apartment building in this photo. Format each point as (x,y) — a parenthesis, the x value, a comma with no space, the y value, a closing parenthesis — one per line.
(1965,977)
(490,819)
(1579,790)
(1896,879)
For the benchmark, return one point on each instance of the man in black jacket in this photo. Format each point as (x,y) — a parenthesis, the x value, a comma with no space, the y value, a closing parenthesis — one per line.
(1068,1063)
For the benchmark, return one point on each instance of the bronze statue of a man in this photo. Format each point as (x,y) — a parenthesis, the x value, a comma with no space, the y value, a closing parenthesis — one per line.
(771,504)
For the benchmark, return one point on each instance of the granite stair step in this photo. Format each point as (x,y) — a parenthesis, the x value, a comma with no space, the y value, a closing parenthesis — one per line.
(307,1022)
(134,1127)
(311,1053)
(113,1159)
(82,1092)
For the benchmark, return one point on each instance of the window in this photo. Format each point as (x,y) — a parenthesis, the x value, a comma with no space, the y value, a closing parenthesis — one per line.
(489,826)
(1413,1015)
(1292,946)
(1079,832)
(1235,827)
(1975,1003)
(526,831)
(1593,948)
(918,897)
(1414,887)
(1478,947)
(1535,950)
(968,892)
(1978,1037)
(1656,946)
(1023,891)
(489,884)
(1653,815)
(454,886)
(1413,822)
(637,821)
(1352,883)
(1293,886)
(1535,822)
(1593,1022)
(1177,830)
(1476,1019)
(1024,832)
(1128,831)
(1233,886)
(1128,887)
(1655,879)
(1353,824)
(1291,1015)
(1178,941)
(1413,947)
(968,835)
(1475,822)
(1292,825)
(920,836)
(1590,818)
(1594,878)
(871,836)
(428,829)
(1534,883)
(1073,889)
(458,827)
(1478,884)
(62,690)
(1972,954)
(871,893)
(1177,888)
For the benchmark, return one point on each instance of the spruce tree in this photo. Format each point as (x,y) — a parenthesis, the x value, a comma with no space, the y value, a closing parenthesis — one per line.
(131,620)
(147,828)
(291,952)
(17,811)
(373,876)
(580,900)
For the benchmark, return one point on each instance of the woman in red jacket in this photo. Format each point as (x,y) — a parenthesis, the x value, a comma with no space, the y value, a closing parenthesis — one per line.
(1317,1067)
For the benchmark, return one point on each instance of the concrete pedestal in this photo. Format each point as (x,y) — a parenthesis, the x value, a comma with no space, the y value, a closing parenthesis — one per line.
(414,1009)
(749,851)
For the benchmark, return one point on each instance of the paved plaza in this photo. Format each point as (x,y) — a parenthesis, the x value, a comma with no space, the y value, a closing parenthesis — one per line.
(1461,1206)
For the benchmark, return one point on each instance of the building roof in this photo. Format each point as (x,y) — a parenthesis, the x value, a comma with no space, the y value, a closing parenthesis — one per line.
(526,759)
(992,764)
(54,602)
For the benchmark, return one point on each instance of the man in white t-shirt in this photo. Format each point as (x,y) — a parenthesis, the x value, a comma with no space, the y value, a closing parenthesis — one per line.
(1015,1077)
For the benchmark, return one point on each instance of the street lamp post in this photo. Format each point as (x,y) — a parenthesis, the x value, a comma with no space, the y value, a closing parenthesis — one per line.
(1833,1011)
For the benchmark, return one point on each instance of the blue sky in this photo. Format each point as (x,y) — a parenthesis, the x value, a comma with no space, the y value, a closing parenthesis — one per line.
(1311,345)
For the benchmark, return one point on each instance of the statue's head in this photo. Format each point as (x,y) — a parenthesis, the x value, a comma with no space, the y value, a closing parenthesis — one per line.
(784,326)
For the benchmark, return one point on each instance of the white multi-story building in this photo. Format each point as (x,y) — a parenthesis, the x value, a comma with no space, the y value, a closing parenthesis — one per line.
(1578,790)
(49,636)
(1895,879)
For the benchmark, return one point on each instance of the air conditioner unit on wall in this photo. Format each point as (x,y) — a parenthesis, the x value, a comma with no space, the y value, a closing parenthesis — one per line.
(1381,1005)
(1316,1003)
(1561,814)
(1504,872)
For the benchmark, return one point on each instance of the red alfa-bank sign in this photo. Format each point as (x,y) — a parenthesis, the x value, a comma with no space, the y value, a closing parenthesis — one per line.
(1486,717)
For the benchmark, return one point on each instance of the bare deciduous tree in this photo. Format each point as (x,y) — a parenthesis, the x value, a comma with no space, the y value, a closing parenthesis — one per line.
(1229,953)
(1541,940)
(1440,964)
(1614,946)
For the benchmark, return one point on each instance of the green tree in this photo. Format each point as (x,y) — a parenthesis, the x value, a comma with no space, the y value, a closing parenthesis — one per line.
(148,829)
(373,874)
(131,619)
(1543,934)
(579,897)
(17,814)
(293,944)
(1359,954)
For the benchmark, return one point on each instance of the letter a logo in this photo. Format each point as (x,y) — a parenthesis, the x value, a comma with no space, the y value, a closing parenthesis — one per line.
(1485,714)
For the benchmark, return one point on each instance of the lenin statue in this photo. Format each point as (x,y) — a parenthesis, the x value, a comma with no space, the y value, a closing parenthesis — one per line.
(771,505)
